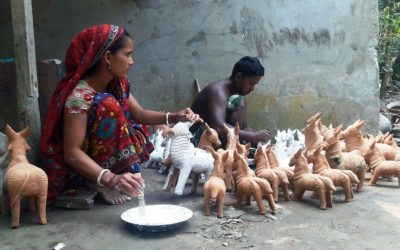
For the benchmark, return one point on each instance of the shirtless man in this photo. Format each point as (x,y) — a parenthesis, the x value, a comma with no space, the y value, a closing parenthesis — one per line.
(223,101)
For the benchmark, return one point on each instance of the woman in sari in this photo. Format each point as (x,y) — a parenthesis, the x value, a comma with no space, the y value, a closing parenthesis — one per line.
(93,133)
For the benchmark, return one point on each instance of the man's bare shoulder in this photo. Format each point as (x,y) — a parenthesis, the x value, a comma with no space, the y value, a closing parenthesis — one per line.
(216,89)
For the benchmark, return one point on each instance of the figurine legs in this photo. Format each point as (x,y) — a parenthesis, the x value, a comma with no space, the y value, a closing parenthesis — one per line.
(15,212)
(41,205)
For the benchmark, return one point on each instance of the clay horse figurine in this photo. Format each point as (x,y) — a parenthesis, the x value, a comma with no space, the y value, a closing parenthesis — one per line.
(23,179)
(215,188)
(304,180)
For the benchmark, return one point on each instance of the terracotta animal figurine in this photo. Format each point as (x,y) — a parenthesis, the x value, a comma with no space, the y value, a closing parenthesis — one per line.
(380,166)
(273,161)
(304,180)
(323,129)
(355,140)
(337,159)
(243,149)
(232,137)
(314,118)
(313,138)
(276,177)
(343,178)
(186,158)
(23,179)
(215,188)
(248,185)
(389,140)
(209,138)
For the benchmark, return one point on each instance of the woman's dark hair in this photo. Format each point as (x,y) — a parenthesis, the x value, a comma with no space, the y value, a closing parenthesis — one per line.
(118,44)
(248,66)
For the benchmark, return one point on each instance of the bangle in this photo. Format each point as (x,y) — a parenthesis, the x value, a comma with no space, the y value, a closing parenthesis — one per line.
(167,118)
(101,176)
(109,183)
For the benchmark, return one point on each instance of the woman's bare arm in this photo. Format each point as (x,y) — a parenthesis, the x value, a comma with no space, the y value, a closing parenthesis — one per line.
(74,135)
(151,117)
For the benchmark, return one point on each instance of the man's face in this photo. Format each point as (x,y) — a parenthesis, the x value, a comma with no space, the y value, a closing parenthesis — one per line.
(245,85)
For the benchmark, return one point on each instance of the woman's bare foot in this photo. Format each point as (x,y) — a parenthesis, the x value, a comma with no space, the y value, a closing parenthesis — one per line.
(109,196)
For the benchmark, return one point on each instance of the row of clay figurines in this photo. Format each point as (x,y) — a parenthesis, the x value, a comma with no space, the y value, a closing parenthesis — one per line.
(347,154)
(331,158)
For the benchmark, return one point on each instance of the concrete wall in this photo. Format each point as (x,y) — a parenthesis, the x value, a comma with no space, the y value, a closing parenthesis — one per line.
(319,56)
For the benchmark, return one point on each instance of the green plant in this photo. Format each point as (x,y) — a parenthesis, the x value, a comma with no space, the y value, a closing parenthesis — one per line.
(389,41)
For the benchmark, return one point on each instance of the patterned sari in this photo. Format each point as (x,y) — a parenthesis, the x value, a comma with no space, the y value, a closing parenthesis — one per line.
(113,138)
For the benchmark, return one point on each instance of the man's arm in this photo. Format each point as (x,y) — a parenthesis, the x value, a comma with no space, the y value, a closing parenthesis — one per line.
(217,117)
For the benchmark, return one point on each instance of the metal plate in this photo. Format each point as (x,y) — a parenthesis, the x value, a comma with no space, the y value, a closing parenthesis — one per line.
(155,218)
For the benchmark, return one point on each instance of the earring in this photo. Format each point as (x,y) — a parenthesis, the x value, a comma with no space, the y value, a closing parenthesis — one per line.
(109,67)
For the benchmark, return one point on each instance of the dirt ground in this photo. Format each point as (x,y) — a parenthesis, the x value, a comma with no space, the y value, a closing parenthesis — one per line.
(370,221)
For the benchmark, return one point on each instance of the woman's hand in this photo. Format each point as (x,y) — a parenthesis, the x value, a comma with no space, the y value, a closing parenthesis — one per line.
(185,115)
(127,184)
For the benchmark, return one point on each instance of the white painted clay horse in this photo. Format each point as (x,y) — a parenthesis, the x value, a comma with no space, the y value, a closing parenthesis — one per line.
(185,157)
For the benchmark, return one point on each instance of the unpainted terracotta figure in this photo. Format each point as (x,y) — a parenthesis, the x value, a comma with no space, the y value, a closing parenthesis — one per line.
(243,149)
(388,139)
(209,138)
(232,137)
(380,166)
(322,128)
(314,118)
(273,161)
(313,138)
(248,185)
(337,159)
(354,140)
(186,157)
(378,138)
(215,188)
(343,178)
(304,180)
(275,177)
(23,179)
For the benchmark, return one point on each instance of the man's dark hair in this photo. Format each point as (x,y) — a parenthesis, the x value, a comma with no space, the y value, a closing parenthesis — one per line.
(248,66)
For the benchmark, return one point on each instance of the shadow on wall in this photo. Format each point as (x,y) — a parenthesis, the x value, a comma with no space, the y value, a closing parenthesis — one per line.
(49,73)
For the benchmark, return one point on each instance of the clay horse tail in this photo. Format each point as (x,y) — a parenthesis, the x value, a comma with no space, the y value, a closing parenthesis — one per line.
(214,186)
(352,176)
(264,185)
(328,183)
(18,195)
(282,177)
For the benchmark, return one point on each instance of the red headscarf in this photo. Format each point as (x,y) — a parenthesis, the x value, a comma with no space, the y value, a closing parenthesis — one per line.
(84,51)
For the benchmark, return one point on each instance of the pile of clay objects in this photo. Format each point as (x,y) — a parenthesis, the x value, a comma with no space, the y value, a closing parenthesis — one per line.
(320,158)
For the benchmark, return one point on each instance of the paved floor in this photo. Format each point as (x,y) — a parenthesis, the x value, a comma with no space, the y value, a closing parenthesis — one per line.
(371,221)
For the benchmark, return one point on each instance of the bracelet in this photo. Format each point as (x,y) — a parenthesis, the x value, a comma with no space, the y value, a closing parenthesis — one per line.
(109,183)
(101,176)
(167,118)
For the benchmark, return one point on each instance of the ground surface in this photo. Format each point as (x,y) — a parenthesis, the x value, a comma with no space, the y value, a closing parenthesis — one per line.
(371,221)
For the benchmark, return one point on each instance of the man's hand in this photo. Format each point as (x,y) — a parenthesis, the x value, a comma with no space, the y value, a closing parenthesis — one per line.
(263,136)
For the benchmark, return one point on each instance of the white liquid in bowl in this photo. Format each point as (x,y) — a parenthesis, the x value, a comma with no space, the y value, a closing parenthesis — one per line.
(157,215)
